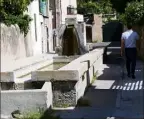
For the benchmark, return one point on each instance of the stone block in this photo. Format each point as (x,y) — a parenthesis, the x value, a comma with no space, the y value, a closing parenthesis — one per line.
(26,100)
(59,75)
(91,74)
(81,86)
(64,93)
(48,87)
(7,77)
(67,93)
(22,100)
(97,29)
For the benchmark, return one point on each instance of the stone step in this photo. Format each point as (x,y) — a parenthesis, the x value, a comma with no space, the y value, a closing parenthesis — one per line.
(98,113)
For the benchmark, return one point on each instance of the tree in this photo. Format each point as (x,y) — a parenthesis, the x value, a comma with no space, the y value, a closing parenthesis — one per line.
(12,12)
(94,6)
(134,13)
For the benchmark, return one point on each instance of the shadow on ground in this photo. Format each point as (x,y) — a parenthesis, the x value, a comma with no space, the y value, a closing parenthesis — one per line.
(111,96)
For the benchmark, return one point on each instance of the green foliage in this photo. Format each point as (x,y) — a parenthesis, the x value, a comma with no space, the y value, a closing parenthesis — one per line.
(36,115)
(94,78)
(22,21)
(15,7)
(94,7)
(134,13)
(88,7)
(106,7)
(12,12)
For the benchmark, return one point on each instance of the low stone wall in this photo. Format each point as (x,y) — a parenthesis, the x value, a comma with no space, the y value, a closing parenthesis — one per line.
(12,43)
(140,30)
(97,28)
(26,100)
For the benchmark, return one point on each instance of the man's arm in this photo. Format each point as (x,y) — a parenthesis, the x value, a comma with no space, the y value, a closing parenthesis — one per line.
(122,47)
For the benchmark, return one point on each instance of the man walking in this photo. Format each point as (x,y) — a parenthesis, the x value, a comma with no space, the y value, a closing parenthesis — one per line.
(128,44)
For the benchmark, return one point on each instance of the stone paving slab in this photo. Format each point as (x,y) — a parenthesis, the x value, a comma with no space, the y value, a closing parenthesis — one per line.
(101,98)
(103,84)
(128,114)
(128,85)
(130,98)
(100,113)
(110,72)
(87,113)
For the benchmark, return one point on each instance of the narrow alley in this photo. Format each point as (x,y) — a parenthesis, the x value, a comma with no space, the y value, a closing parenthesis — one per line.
(66,59)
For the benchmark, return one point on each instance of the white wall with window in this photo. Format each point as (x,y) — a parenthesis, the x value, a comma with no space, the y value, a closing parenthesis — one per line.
(64,5)
(35,27)
(39,27)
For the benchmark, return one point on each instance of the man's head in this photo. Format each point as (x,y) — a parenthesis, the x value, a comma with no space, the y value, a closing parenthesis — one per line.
(129,26)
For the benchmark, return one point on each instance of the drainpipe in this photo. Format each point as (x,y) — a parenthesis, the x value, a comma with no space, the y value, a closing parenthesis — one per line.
(55,14)
(61,11)
(54,35)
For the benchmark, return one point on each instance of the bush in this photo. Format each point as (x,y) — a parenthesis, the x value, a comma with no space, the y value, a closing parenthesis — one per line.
(12,12)
(134,13)
(94,7)
(41,114)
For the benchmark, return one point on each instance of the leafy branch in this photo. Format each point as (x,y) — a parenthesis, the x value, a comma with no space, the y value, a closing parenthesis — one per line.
(12,12)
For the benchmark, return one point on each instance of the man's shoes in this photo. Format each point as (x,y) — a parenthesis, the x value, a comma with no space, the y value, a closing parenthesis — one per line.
(133,77)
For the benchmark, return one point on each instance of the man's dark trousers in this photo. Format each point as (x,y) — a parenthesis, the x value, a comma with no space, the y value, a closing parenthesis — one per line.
(131,54)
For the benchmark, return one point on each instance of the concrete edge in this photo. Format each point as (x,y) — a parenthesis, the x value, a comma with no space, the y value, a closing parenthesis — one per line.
(26,70)
(62,75)
(22,91)
(37,66)
(31,60)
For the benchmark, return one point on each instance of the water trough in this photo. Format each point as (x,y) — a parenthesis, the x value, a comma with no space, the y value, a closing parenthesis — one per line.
(22,93)
(70,81)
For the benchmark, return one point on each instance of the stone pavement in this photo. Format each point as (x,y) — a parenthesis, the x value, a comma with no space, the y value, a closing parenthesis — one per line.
(111,97)
(130,98)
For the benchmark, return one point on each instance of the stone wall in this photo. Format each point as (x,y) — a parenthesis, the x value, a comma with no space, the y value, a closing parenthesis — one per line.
(26,100)
(97,29)
(12,43)
(141,51)
(140,48)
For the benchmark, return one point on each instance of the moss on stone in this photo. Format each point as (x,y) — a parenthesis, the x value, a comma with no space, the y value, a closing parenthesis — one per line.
(36,115)
(94,78)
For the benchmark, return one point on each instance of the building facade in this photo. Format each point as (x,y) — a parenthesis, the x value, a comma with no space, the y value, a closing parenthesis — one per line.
(40,26)
(47,16)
